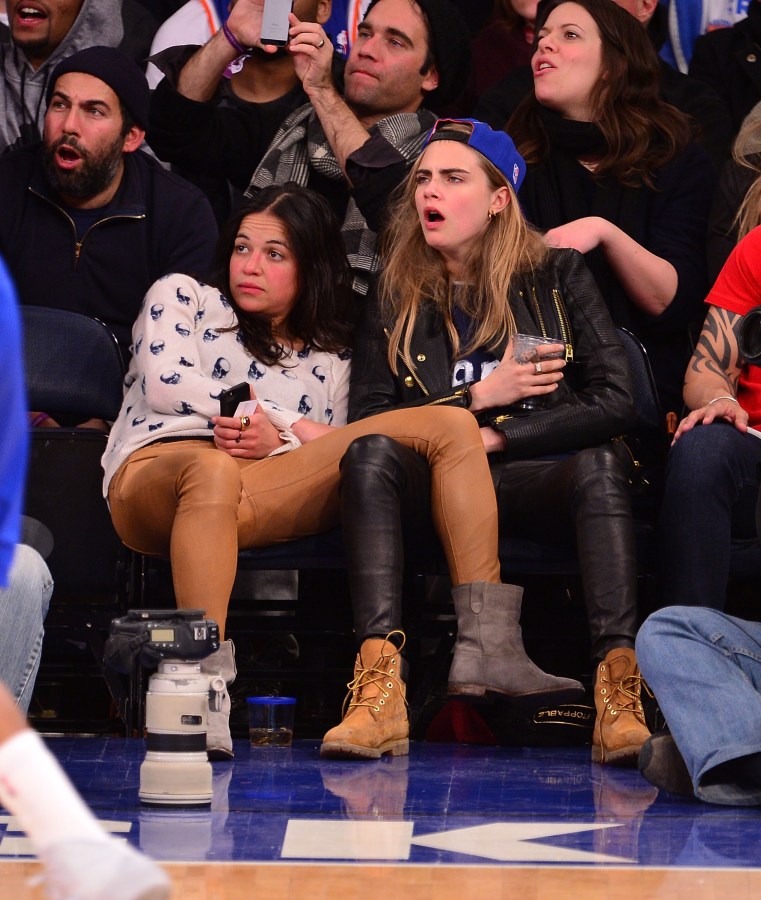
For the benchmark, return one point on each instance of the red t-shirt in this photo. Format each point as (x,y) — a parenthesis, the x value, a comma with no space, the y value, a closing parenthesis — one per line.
(738,290)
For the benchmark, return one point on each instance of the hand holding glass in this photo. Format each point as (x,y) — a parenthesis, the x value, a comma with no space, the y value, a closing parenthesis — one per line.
(526,349)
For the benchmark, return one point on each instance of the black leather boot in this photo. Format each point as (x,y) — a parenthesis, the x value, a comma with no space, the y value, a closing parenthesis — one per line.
(607,551)
(385,510)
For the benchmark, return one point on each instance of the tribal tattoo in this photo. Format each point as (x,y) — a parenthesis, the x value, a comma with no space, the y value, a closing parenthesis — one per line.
(716,352)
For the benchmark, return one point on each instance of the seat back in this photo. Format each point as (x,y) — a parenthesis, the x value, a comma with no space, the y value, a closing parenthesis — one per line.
(648,439)
(646,398)
(73,364)
(73,367)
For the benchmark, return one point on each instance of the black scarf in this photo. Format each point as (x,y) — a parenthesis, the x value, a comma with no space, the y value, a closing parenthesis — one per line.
(559,189)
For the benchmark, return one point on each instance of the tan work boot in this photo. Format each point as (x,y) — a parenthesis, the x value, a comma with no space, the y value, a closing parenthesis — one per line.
(375,710)
(620,729)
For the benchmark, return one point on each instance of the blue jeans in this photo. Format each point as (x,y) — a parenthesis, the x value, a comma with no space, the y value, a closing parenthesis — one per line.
(23,605)
(705,670)
(710,493)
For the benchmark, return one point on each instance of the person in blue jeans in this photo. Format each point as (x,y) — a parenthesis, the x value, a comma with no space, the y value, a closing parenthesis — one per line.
(704,667)
(712,476)
(23,605)
(25,584)
(80,859)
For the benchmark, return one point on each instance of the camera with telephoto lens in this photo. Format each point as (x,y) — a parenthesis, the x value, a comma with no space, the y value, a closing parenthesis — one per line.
(176,769)
(749,337)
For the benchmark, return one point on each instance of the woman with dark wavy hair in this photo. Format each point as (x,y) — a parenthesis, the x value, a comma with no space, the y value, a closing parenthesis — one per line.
(612,173)
(185,482)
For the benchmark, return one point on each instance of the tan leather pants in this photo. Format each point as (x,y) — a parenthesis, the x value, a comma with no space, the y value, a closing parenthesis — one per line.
(195,504)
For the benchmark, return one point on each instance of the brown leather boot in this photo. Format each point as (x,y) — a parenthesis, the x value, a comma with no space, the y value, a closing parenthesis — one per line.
(620,729)
(375,710)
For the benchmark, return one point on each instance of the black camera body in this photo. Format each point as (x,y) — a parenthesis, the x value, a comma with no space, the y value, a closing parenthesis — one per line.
(150,635)
(749,336)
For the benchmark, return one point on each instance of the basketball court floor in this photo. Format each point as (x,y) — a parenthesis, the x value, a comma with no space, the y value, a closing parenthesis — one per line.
(449,821)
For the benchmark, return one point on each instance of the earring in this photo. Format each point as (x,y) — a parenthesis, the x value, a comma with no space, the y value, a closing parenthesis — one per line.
(490,215)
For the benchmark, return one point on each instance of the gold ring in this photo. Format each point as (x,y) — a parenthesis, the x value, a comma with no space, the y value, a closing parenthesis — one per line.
(321,44)
(538,368)
(245,422)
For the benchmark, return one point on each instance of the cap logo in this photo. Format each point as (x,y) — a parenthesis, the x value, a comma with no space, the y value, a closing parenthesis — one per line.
(516,173)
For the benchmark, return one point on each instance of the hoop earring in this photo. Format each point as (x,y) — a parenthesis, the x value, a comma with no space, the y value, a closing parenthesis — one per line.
(490,215)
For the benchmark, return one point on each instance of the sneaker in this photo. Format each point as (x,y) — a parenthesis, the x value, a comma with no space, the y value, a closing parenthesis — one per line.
(661,763)
(94,870)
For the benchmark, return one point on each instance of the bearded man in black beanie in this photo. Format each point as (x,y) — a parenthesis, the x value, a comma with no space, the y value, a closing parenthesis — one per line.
(410,57)
(88,221)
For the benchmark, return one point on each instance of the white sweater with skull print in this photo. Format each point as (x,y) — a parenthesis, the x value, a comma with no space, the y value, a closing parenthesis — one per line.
(184,356)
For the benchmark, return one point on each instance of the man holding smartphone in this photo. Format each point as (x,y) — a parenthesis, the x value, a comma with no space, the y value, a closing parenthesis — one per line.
(352,148)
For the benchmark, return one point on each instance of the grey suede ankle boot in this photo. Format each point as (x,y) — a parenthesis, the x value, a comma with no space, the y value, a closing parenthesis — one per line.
(221,663)
(489,657)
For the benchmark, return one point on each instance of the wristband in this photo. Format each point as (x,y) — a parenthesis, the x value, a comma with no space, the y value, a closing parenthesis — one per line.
(39,419)
(723,397)
(237,64)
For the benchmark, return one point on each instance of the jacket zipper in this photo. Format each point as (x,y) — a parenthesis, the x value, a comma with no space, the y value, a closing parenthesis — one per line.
(78,244)
(565,329)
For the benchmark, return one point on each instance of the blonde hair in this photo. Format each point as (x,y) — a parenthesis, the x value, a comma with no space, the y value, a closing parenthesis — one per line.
(415,274)
(747,153)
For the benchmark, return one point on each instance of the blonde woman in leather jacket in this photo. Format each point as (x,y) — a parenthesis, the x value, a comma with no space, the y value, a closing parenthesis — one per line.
(464,273)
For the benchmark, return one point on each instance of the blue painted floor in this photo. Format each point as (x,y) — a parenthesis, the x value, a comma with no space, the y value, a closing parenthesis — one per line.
(443,804)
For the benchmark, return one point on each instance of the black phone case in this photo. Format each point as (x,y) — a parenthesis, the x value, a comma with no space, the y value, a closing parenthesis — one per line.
(231,397)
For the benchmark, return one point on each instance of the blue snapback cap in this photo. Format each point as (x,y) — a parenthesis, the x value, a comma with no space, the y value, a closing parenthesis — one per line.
(496,146)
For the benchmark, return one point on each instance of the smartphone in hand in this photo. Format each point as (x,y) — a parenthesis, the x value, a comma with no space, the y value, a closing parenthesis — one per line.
(275,22)
(231,397)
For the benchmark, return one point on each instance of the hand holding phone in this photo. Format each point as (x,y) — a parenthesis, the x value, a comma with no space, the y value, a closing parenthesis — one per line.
(231,397)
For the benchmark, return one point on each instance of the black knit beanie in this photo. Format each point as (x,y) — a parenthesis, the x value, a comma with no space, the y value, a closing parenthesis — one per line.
(119,72)
(450,45)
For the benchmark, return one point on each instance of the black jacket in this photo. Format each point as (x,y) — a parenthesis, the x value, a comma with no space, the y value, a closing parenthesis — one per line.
(593,403)
(156,224)
(734,184)
(729,61)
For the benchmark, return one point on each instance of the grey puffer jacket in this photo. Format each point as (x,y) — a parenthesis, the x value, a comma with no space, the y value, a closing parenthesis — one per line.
(22,89)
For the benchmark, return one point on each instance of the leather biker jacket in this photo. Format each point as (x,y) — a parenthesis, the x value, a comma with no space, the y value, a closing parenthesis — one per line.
(593,403)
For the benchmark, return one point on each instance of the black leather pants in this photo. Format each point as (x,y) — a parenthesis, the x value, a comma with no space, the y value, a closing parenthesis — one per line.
(586,495)
(385,513)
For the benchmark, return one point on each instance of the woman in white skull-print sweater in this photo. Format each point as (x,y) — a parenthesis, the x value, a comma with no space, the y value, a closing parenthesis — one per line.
(186,350)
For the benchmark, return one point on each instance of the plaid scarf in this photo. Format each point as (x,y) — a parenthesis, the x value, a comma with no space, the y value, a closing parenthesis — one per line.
(300,143)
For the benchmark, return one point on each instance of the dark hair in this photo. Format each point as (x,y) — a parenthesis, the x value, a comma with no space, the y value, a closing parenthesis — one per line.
(322,316)
(642,132)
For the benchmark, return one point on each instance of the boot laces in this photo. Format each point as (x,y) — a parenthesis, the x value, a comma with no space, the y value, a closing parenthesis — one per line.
(379,675)
(624,692)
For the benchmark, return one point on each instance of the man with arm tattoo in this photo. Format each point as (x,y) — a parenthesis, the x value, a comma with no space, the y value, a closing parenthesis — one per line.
(704,666)
(712,478)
